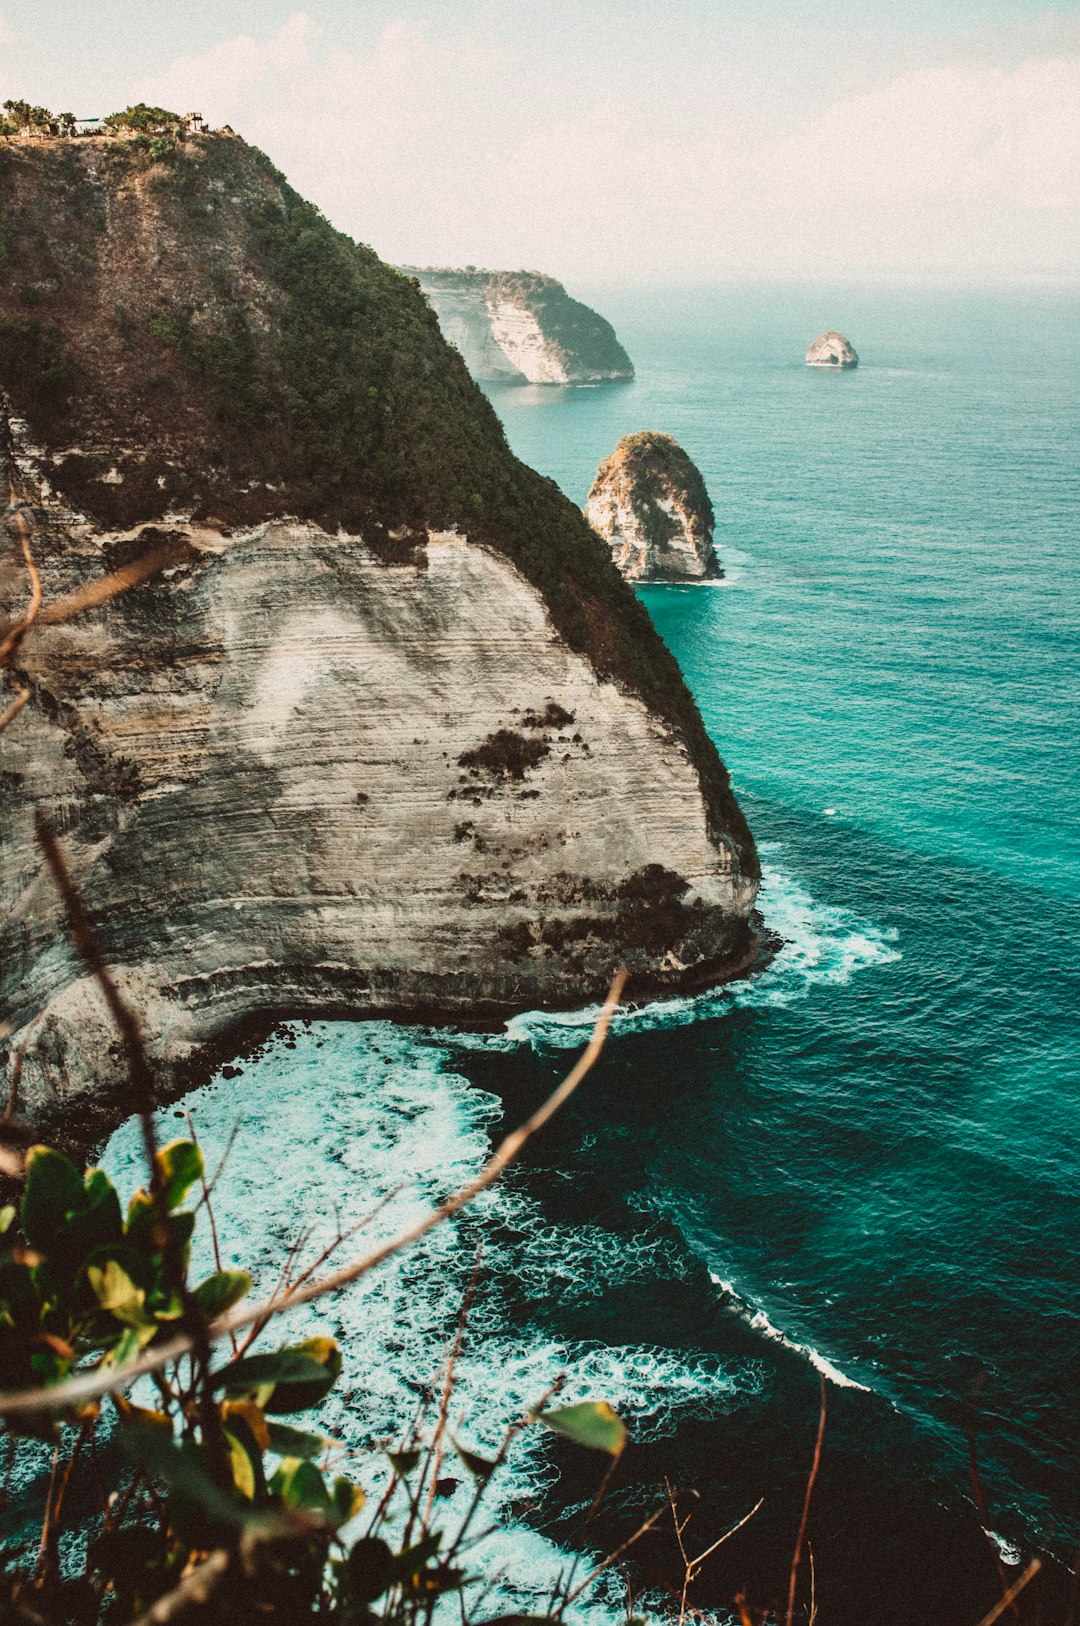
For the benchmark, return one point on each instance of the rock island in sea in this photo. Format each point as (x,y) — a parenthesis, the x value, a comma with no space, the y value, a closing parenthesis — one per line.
(384,730)
(832,350)
(523,327)
(650,505)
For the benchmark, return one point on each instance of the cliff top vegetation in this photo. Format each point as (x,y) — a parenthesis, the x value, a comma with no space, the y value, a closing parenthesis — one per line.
(185,334)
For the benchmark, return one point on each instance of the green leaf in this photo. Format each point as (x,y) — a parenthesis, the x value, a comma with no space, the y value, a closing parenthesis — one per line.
(7,1214)
(301,1485)
(53,1188)
(346,1500)
(294,1442)
(181,1468)
(179,1165)
(371,1569)
(300,1378)
(221,1291)
(479,1467)
(245,1458)
(592,1424)
(403,1462)
(408,1564)
(116,1292)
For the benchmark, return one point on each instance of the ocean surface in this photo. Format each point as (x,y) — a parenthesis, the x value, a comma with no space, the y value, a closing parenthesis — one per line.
(863,1166)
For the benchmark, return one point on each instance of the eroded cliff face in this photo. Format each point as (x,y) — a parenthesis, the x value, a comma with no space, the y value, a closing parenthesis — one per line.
(650,505)
(523,327)
(389,733)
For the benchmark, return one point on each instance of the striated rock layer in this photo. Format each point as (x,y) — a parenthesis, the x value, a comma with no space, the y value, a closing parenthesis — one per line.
(389,733)
(832,350)
(522,326)
(650,505)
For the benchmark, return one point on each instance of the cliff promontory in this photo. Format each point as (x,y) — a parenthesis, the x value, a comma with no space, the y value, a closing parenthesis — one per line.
(386,731)
(650,505)
(832,350)
(523,327)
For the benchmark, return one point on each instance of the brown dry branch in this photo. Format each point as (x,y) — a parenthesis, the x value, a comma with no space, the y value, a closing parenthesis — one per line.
(17,632)
(1010,1595)
(93,1384)
(810,1483)
(166,555)
(439,1441)
(143,1100)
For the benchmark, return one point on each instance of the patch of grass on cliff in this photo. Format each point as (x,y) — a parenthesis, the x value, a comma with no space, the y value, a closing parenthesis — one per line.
(36,368)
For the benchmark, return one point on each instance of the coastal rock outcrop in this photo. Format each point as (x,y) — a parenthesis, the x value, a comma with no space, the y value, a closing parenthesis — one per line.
(832,350)
(382,730)
(522,326)
(650,505)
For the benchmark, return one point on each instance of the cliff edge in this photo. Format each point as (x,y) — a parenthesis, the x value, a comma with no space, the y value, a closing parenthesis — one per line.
(522,327)
(650,505)
(387,731)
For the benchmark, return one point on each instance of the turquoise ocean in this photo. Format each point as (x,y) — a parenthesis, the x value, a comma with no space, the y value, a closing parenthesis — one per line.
(862,1166)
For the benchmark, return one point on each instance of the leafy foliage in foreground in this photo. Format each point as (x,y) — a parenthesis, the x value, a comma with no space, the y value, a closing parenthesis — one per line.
(218,1502)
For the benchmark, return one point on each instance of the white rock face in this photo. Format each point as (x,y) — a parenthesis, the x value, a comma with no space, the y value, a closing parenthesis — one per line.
(650,505)
(832,350)
(523,327)
(291,777)
(519,337)
(465,318)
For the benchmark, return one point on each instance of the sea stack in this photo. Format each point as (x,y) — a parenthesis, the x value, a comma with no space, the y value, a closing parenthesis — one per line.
(832,350)
(650,505)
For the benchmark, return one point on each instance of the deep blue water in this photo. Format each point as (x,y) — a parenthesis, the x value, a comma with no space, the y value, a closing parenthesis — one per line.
(874,1150)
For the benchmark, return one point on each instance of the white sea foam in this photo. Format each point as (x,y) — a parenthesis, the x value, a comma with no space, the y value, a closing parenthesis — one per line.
(760,1322)
(361,1114)
(821,944)
(1008,1551)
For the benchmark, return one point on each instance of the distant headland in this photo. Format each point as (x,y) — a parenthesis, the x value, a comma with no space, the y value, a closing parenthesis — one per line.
(522,326)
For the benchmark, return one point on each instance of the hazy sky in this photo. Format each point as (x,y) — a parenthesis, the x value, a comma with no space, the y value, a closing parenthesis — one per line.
(613,139)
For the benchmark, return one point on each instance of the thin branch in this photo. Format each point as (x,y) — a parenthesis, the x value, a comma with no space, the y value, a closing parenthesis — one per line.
(178,550)
(697,1563)
(18,630)
(437,1444)
(1010,1596)
(810,1483)
(613,1558)
(142,1091)
(97,1382)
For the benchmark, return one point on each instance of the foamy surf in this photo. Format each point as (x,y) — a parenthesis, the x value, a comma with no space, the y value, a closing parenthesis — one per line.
(759,1321)
(822,944)
(355,1115)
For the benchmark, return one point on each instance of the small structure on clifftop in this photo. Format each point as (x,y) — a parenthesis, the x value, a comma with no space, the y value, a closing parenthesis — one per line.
(832,350)
(650,505)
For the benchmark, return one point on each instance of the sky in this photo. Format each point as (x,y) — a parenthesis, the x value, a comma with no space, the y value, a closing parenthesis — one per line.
(619,141)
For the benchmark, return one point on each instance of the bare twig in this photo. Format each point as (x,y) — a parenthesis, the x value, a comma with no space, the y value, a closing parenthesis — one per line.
(97,1382)
(810,1483)
(17,631)
(142,1092)
(1009,1597)
(177,550)
(437,1444)
(194,1592)
(613,1557)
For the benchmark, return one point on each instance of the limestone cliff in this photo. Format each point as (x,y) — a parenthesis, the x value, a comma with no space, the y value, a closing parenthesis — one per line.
(390,732)
(650,505)
(522,326)
(832,350)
